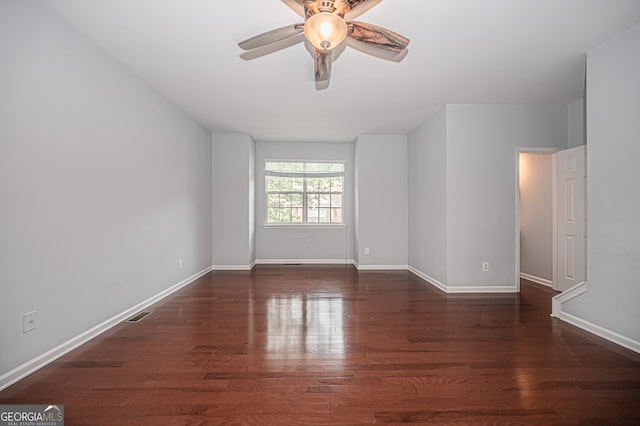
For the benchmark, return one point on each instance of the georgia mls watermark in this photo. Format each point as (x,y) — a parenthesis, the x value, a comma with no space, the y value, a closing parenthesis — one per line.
(31,415)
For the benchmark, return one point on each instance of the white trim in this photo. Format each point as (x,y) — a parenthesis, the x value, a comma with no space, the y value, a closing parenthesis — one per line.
(382,267)
(554,221)
(463,289)
(565,296)
(51,355)
(453,289)
(537,280)
(325,225)
(234,267)
(305,261)
(572,293)
(605,333)
(428,279)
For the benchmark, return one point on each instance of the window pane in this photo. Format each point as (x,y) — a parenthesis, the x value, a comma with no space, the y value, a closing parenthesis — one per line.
(314,167)
(333,167)
(325,184)
(284,184)
(284,166)
(273,200)
(324,215)
(325,200)
(324,167)
(336,184)
(336,200)
(297,184)
(313,200)
(312,208)
(285,200)
(296,214)
(312,214)
(273,215)
(336,215)
(319,184)
(275,184)
(296,200)
(285,215)
(313,184)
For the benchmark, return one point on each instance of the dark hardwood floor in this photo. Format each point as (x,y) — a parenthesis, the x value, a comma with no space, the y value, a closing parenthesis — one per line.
(330,345)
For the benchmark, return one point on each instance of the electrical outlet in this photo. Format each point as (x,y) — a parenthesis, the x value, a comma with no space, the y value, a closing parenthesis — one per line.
(29,321)
(366,250)
(179,263)
(485,266)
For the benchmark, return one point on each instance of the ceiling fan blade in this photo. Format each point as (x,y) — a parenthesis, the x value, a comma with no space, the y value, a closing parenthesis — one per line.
(322,67)
(272,48)
(377,36)
(388,55)
(271,36)
(358,7)
(295,5)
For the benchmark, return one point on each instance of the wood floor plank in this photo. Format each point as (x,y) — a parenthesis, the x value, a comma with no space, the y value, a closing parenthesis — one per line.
(331,345)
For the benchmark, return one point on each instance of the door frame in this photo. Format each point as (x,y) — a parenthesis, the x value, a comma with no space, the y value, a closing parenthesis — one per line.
(536,150)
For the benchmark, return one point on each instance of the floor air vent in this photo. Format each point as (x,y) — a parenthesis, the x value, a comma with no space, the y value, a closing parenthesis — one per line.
(138,317)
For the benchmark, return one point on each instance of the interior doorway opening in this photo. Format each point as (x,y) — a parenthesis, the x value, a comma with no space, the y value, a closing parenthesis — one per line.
(551,216)
(535,215)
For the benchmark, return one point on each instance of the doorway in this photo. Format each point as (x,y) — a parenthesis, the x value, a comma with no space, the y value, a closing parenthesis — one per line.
(536,216)
(551,211)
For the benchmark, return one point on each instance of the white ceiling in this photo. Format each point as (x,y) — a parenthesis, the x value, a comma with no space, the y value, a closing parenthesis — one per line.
(461,51)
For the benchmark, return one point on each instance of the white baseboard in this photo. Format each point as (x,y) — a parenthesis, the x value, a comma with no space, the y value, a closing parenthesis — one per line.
(430,280)
(381,267)
(234,267)
(304,261)
(607,334)
(51,355)
(537,280)
(452,289)
(612,336)
(455,289)
(332,262)
(565,296)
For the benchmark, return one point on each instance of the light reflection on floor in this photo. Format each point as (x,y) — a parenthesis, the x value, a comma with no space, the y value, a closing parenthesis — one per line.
(305,324)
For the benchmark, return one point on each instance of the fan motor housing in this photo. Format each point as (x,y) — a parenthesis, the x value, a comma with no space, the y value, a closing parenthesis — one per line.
(336,7)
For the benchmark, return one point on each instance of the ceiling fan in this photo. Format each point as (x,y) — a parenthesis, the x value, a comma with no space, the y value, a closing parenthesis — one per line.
(328,26)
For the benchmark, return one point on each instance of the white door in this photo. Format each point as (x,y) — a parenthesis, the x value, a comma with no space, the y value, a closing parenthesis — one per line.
(571,218)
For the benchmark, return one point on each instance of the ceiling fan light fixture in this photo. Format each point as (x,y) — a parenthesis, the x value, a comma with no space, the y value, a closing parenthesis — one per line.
(325,30)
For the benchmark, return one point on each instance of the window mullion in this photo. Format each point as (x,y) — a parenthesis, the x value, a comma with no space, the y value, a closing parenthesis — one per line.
(304,200)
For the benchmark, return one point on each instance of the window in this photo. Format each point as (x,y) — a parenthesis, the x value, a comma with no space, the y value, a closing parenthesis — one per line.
(301,192)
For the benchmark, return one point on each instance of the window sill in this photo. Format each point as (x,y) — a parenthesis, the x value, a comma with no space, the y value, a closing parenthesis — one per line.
(305,225)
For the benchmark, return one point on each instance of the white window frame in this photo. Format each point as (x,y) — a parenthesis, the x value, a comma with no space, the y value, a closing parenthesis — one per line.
(304,223)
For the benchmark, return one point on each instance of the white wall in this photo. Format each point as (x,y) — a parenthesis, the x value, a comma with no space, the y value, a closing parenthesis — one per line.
(480,154)
(427,155)
(382,200)
(233,206)
(481,179)
(104,185)
(536,217)
(576,136)
(304,243)
(613,129)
